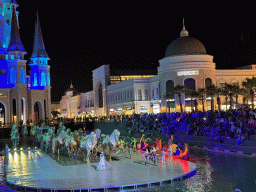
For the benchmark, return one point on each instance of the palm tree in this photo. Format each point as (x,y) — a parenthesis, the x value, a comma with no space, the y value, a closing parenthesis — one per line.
(178,90)
(55,114)
(195,94)
(236,91)
(244,92)
(225,92)
(229,89)
(168,96)
(201,92)
(218,92)
(250,84)
(211,91)
(188,93)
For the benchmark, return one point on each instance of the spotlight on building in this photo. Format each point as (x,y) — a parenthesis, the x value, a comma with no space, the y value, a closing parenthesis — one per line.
(15,149)
(21,149)
(28,148)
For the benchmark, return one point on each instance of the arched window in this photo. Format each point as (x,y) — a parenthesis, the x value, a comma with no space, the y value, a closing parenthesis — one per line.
(190,83)
(139,95)
(48,79)
(22,75)
(7,41)
(35,80)
(2,114)
(208,82)
(170,87)
(43,79)
(14,111)
(12,75)
(100,96)
(146,95)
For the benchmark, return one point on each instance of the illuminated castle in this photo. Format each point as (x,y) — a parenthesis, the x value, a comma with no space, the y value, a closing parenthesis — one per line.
(22,97)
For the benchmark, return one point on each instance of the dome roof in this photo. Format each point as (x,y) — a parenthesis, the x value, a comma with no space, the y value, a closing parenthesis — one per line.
(71,88)
(185,45)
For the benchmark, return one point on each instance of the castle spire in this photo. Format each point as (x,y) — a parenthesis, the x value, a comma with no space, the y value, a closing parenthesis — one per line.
(38,50)
(184,32)
(15,41)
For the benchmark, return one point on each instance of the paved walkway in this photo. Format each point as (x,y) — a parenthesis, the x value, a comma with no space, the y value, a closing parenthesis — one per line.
(36,170)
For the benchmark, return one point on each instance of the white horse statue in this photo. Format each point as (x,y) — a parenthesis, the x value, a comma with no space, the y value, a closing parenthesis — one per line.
(48,136)
(88,142)
(110,142)
(15,136)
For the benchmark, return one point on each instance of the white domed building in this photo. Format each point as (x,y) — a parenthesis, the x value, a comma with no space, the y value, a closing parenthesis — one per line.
(186,63)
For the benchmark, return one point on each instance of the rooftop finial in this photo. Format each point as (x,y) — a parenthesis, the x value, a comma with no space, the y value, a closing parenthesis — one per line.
(183,32)
(71,86)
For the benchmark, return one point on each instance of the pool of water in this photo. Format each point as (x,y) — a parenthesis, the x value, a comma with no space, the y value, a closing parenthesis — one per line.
(215,172)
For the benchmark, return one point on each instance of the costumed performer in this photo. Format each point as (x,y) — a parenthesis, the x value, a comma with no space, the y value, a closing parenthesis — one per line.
(163,157)
(142,144)
(130,152)
(169,154)
(121,146)
(134,141)
(103,164)
(146,157)
(185,155)
(177,151)
(174,147)
(154,155)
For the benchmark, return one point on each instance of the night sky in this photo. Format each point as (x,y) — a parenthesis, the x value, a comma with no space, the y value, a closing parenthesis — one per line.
(80,37)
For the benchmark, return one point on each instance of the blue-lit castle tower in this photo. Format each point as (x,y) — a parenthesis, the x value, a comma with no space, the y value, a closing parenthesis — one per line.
(22,97)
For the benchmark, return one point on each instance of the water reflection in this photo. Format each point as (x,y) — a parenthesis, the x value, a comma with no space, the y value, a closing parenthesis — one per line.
(216,172)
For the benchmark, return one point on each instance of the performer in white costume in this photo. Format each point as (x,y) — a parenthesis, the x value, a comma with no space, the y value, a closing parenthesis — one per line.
(169,154)
(103,164)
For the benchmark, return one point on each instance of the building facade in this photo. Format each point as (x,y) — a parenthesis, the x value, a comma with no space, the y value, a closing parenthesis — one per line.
(186,63)
(22,97)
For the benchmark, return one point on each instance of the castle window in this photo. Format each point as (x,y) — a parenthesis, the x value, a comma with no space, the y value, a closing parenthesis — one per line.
(12,75)
(2,71)
(35,80)
(22,75)
(6,56)
(48,79)
(43,79)
(12,56)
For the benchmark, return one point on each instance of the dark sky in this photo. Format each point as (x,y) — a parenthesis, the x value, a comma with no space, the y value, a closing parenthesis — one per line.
(80,37)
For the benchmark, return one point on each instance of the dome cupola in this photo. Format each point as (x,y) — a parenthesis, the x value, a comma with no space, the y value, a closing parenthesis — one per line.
(185,45)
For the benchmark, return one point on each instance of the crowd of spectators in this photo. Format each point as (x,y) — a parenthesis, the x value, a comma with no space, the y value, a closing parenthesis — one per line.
(236,124)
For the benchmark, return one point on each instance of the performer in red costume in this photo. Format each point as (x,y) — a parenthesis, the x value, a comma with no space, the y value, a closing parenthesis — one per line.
(184,154)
